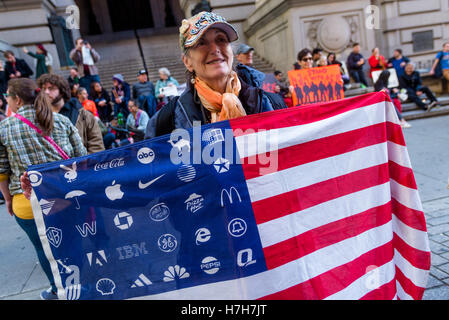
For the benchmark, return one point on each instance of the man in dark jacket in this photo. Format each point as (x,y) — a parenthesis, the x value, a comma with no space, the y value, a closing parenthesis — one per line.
(143,93)
(16,68)
(411,81)
(244,69)
(58,90)
(355,64)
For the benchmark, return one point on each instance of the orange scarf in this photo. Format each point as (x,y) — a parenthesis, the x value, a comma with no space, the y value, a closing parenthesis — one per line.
(221,106)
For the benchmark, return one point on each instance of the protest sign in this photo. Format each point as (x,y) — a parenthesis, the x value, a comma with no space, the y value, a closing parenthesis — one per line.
(315,85)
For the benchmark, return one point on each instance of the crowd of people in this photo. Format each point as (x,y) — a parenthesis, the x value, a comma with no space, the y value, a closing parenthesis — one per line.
(55,118)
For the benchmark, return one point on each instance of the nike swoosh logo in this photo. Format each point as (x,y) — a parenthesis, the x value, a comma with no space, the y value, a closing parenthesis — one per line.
(145,185)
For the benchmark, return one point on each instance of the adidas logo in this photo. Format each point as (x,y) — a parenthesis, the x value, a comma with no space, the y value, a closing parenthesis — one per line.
(141,281)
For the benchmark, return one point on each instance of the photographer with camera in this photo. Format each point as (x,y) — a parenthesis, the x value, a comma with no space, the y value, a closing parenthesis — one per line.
(85,58)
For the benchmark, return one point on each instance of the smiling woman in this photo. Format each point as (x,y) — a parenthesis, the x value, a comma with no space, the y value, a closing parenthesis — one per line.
(214,91)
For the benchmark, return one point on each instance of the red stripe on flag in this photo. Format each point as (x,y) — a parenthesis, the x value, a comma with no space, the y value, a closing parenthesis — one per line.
(384,292)
(413,218)
(325,235)
(394,133)
(320,192)
(418,258)
(315,150)
(409,287)
(337,279)
(402,175)
(302,115)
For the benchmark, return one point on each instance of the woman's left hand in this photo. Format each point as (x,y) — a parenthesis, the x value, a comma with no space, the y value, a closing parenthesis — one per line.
(9,207)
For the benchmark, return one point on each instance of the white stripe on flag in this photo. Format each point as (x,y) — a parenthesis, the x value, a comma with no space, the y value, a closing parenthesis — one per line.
(286,227)
(398,154)
(289,274)
(415,238)
(307,174)
(406,196)
(368,282)
(255,143)
(415,275)
(401,293)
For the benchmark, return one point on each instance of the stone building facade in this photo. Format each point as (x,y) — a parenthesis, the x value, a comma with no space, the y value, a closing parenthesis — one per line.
(277,29)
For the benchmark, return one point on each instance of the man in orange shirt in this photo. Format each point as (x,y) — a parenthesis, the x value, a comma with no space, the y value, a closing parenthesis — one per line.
(89,105)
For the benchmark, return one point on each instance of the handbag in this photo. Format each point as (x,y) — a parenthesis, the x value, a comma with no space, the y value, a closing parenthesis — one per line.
(50,140)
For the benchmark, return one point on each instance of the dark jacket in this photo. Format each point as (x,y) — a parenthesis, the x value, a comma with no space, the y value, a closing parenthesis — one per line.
(87,125)
(123,92)
(3,82)
(143,89)
(410,82)
(20,66)
(352,60)
(251,76)
(181,112)
(103,112)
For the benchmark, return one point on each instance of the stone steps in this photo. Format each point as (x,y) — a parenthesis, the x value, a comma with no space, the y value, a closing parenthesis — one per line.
(130,68)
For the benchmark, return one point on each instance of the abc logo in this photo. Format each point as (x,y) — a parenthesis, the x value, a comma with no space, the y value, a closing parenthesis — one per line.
(145,155)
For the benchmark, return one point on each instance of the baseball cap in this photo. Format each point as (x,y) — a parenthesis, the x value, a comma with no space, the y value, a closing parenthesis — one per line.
(142,71)
(193,28)
(243,48)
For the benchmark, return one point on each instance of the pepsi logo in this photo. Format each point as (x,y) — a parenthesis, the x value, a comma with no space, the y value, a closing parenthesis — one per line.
(210,265)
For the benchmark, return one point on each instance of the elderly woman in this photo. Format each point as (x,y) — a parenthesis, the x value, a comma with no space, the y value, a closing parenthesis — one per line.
(214,91)
(165,80)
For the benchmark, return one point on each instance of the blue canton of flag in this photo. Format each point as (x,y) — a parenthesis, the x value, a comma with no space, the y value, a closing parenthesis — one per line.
(129,222)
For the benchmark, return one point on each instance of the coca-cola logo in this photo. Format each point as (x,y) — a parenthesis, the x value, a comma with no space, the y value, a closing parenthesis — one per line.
(114,163)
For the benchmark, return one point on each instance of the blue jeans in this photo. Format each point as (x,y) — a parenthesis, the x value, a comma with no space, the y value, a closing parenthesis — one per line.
(148,104)
(29,226)
(87,80)
(358,76)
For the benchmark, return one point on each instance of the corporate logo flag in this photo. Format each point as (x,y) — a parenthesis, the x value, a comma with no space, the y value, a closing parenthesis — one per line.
(314,202)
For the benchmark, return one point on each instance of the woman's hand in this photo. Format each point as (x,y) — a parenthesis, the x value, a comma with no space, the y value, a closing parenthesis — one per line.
(9,207)
(25,184)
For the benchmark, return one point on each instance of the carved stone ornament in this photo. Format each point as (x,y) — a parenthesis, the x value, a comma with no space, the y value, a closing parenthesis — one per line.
(334,34)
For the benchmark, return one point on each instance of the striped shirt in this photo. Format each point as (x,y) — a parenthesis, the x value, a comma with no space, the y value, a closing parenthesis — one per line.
(21,146)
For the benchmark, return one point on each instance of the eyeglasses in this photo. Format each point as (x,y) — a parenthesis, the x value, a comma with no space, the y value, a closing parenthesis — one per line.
(6,95)
(307,59)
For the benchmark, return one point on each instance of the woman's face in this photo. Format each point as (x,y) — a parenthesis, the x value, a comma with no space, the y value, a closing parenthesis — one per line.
(211,58)
(163,76)
(331,58)
(13,102)
(306,62)
(97,87)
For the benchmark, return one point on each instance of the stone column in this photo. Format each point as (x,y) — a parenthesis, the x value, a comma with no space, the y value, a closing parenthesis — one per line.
(158,13)
(101,11)
(177,11)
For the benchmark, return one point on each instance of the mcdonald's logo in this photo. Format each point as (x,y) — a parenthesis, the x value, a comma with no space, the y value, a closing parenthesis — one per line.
(229,194)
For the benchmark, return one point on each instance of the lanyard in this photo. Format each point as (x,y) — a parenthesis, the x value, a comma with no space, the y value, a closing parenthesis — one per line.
(54,144)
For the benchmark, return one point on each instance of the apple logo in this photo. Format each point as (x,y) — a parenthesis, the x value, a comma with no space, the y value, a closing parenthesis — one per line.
(113,192)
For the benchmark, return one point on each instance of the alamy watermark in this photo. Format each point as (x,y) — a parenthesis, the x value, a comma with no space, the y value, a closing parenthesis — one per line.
(199,146)
(73,19)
